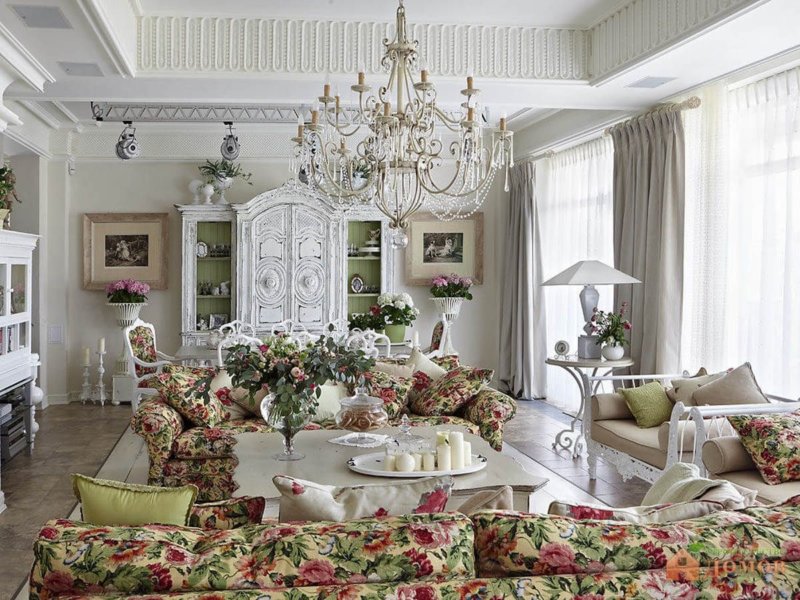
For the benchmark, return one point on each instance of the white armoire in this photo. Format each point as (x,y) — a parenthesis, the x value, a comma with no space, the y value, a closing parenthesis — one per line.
(287,259)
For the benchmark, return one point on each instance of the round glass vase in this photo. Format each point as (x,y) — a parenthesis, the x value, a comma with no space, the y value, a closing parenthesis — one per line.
(361,413)
(287,426)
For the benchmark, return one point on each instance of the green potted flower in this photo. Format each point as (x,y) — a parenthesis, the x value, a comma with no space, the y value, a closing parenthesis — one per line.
(221,174)
(368,320)
(398,312)
(8,194)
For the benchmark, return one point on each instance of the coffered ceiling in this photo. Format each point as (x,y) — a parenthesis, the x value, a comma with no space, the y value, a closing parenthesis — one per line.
(532,58)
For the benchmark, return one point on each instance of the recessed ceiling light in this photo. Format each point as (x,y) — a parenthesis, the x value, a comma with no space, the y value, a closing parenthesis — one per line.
(80,69)
(45,17)
(651,82)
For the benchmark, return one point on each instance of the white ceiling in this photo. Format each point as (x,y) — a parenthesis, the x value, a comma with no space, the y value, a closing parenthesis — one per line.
(542,13)
(768,28)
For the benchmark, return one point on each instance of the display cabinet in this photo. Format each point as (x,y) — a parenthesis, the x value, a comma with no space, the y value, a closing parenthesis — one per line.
(370,261)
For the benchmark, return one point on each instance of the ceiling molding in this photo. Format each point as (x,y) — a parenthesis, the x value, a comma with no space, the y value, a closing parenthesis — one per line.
(41,113)
(23,63)
(176,45)
(644,29)
(98,20)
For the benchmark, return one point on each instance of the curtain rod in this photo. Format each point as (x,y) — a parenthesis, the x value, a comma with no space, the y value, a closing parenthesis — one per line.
(688,104)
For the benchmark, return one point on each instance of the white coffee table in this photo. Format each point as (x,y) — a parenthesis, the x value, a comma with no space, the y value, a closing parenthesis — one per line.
(326,463)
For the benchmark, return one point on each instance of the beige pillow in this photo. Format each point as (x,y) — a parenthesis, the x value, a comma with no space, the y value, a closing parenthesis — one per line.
(730,497)
(736,387)
(726,455)
(221,388)
(330,401)
(684,389)
(641,515)
(419,362)
(394,369)
(308,501)
(500,499)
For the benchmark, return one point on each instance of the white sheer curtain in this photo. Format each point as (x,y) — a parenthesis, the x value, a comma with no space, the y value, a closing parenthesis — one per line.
(742,300)
(575,192)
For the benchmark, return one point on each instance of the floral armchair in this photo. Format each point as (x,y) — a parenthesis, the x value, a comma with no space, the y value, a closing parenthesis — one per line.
(145,361)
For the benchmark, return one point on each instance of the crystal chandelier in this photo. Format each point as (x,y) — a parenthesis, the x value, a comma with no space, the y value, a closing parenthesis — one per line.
(395,139)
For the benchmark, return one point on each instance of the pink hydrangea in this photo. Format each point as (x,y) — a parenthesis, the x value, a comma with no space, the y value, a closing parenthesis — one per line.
(439,281)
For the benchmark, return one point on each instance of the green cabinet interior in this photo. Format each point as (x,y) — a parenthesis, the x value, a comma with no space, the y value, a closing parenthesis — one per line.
(213,269)
(368,267)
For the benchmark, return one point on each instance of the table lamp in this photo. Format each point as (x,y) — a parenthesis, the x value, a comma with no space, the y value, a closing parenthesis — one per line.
(590,273)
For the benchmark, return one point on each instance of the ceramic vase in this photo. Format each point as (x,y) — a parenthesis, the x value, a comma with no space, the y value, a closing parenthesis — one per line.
(396,333)
(223,184)
(613,352)
(206,191)
(126,312)
(288,427)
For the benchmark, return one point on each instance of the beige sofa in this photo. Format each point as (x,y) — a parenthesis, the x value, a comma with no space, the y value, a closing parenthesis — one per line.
(726,458)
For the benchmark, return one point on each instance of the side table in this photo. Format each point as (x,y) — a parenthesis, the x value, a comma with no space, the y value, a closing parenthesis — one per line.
(580,369)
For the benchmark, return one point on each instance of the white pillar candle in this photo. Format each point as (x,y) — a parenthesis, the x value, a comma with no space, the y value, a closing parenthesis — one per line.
(457,449)
(428,461)
(87,357)
(415,340)
(404,463)
(388,462)
(467,454)
(442,437)
(101,344)
(417,461)
(443,457)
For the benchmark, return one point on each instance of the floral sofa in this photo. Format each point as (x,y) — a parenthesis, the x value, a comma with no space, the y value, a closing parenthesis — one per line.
(182,453)
(750,553)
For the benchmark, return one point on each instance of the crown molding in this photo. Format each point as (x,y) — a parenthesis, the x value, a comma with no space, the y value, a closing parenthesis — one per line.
(178,45)
(22,62)
(100,23)
(643,29)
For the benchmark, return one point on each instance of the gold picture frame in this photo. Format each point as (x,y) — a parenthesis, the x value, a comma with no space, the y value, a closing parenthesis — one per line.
(125,246)
(442,247)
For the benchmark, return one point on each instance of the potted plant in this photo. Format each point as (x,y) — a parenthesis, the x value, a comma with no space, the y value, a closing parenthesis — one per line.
(398,312)
(368,320)
(221,173)
(127,296)
(449,291)
(610,328)
(361,174)
(292,374)
(8,194)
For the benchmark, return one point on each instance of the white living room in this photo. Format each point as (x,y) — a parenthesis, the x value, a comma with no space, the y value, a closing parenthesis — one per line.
(399,300)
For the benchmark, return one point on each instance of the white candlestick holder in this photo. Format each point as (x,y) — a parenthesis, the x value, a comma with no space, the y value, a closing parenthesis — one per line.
(100,386)
(86,388)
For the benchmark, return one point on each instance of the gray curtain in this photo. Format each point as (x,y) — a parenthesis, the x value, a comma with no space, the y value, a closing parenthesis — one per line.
(522,321)
(649,200)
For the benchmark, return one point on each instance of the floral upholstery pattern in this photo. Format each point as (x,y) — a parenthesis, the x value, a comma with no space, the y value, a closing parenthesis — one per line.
(772,442)
(76,558)
(491,409)
(436,336)
(214,442)
(435,420)
(143,345)
(392,390)
(228,514)
(451,391)
(515,544)
(212,476)
(159,424)
(449,362)
(176,388)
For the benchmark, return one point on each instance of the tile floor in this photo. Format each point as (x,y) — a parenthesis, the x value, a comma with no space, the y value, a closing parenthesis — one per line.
(78,438)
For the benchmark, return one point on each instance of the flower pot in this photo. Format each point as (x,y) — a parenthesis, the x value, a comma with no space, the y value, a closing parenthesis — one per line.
(206,191)
(448,306)
(396,333)
(614,352)
(288,427)
(127,312)
(223,184)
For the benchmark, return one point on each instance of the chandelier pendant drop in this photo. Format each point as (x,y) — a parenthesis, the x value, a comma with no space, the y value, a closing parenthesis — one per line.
(396,159)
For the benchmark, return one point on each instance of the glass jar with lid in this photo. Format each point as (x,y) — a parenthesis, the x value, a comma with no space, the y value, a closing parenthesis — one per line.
(362,413)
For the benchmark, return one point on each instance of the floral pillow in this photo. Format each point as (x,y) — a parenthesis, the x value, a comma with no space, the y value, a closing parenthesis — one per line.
(177,389)
(308,501)
(449,393)
(235,402)
(773,442)
(228,514)
(449,362)
(391,389)
(659,513)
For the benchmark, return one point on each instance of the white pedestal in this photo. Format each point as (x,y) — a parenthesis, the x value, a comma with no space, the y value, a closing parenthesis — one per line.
(123,389)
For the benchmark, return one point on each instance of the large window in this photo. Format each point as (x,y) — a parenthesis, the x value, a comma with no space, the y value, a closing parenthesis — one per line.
(742,295)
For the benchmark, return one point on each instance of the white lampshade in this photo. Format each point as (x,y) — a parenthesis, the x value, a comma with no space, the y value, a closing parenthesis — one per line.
(590,272)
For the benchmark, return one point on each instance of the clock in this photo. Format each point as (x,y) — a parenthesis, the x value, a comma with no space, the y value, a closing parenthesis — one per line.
(561,348)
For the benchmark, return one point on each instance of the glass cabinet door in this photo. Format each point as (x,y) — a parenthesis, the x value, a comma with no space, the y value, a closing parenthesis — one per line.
(4,290)
(19,289)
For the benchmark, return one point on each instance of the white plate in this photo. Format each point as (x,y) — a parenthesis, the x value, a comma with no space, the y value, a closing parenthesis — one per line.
(372,464)
(369,249)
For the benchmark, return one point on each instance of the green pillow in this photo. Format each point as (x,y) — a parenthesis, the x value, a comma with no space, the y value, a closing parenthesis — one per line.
(649,404)
(127,504)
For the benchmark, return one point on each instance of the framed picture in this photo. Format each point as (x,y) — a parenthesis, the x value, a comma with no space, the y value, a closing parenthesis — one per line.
(442,247)
(124,246)
(217,320)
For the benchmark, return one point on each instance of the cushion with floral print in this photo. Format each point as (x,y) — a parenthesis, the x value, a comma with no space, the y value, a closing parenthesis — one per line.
(144,348)
(228,514)
(773,442)
(449,362)
(659,513)
(452,391)
(177,389)
(309,501)
(391,389)
(510,544)
(79,560)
